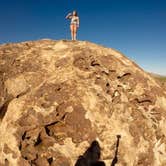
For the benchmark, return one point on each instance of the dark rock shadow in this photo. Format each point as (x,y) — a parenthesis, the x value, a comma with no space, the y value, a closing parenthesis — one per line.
(4,107)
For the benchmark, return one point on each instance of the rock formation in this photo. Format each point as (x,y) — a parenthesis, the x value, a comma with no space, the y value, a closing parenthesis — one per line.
(56,97)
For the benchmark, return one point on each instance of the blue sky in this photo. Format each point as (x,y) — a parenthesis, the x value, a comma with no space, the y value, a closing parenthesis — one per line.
(137,28)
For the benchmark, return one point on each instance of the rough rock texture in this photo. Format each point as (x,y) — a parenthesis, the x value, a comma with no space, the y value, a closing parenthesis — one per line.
(56,97)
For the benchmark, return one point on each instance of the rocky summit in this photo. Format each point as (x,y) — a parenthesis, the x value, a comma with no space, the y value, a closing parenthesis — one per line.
(57,97)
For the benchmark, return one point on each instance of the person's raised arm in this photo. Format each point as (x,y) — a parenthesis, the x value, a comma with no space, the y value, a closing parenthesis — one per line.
(69,16)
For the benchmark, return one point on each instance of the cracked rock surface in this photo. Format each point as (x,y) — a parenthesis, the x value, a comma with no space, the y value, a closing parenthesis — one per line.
(56,97)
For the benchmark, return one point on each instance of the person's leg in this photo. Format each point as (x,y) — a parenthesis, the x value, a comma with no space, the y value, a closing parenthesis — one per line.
(75,32)
(72,31)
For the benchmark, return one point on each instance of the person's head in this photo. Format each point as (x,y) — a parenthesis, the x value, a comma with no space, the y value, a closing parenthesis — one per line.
(74,13)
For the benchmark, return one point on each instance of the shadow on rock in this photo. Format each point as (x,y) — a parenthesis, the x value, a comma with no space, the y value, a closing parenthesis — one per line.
(115,160)
(91,156)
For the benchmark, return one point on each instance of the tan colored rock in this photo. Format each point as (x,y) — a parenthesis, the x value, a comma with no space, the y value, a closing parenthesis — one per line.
(16,86)
(56,97)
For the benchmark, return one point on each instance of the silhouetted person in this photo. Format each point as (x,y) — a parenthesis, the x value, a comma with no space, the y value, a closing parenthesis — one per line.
(91,156)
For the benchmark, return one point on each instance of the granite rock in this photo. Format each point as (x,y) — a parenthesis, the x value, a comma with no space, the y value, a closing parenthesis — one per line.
(56,97)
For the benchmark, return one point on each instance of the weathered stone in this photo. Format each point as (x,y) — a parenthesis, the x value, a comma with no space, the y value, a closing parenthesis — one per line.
(56,97)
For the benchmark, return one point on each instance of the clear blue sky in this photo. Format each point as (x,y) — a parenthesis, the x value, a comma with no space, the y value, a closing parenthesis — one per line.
(135,27)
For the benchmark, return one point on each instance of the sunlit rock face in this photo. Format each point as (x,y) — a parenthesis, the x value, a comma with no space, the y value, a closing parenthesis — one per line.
(56,97)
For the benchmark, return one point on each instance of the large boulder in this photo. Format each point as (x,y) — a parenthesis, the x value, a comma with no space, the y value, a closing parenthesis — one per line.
(56,97)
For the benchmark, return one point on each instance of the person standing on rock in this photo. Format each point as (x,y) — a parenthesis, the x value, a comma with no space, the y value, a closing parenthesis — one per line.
(74,25)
